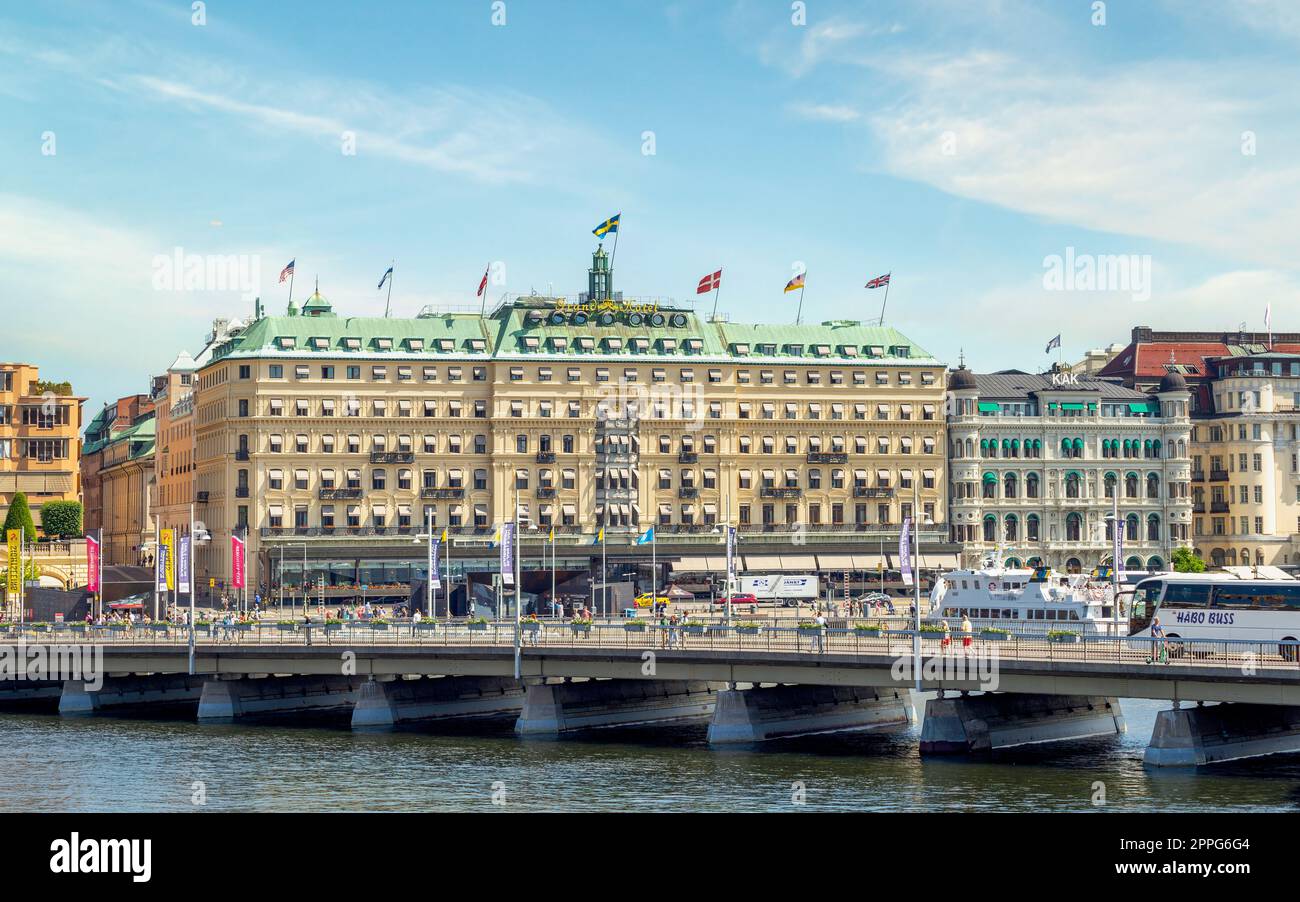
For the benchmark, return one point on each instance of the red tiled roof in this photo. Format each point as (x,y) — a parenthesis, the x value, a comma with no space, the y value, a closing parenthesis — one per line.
(1148,358)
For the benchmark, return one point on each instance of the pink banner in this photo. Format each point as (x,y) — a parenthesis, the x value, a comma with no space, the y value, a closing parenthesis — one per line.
(92,564)
(236,562)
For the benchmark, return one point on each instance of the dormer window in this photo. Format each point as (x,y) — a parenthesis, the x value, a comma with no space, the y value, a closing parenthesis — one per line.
(319,344)
(559,342)
(476,345)
(694,345)
(415,344)
(767,349)
(446,344)
(849,350)
(384,344)
(875,351)
(586,343)
(668,345)
(614,344)
(286,342)
(352,344)
(794,350)
(641,344)
(530,342)
(821,350)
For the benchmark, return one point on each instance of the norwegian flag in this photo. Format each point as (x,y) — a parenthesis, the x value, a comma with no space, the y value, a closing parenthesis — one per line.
(709,283)
(879,281)
(482,285)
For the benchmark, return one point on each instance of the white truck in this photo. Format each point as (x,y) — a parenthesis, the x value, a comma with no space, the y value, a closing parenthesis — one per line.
(781,588)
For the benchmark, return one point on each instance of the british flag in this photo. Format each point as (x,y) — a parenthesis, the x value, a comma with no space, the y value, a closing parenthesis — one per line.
(879,281)
(709,283)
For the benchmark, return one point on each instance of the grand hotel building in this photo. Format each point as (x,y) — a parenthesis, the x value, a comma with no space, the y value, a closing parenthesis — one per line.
(329,439)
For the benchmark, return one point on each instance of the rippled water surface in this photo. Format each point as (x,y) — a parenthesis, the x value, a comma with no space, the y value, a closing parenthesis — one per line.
(111,764)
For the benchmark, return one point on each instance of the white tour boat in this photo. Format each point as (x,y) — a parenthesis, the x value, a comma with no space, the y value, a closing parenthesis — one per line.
(1032,601)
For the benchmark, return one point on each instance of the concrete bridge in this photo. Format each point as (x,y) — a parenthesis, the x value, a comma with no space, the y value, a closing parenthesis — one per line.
(751,686)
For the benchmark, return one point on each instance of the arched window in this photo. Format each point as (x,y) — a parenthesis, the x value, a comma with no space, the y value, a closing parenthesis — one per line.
(990,485)
(1153,528)
(1073,565)
(1009,486)
(1111,481)
(1031,485)
(1031,528)
(1153,485)
(990,528)
(1072,485)
(1131,528)
(1131,485)
(1012,528)
(1216,557)
(1073,527)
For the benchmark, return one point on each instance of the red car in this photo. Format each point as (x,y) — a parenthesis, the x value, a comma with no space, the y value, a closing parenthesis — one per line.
(738,599)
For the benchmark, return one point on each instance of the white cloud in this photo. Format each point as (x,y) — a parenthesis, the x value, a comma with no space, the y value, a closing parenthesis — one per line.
(825,112)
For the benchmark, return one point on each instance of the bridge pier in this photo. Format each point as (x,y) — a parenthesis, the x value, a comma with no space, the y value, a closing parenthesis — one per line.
(760,713)
(30,695)
(383,704)
(552,709)
(981,724)
(155,693)
(1189,737)
(228,700)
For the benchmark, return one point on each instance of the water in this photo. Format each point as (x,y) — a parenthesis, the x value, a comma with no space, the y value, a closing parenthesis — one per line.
(111,764)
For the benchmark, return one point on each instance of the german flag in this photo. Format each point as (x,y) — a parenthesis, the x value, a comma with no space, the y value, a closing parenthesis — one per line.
(795,284)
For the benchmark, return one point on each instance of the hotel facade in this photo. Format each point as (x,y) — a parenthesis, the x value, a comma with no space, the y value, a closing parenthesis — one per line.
(40,444)
(330,441)
(1039,462)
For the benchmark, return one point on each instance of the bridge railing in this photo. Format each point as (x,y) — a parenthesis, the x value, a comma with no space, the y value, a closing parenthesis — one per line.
(863,640)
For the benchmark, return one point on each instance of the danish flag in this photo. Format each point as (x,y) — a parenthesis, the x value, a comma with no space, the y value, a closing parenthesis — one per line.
(709,283)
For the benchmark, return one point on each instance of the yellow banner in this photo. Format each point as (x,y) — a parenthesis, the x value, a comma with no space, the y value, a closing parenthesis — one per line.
(168,541)
(15,540)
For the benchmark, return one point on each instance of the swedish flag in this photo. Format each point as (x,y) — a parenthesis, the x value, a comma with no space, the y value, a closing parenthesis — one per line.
(609,225)
(600,537)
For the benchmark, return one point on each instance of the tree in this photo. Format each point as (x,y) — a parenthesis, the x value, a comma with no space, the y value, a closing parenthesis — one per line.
(20,517)
(1186,561)
(61,518)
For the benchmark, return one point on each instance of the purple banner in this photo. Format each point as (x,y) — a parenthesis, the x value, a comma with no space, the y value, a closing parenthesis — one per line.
(905,551)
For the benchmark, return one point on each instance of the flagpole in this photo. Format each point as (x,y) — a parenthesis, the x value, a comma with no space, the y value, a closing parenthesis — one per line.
(482,310)
(291,272)
(190,565)
(428,583)
(451,584)
(798,317)
(553,599)
(604,580)
(519,597)
(885,301)
(717,291)
(610,286)
(654,568)
(391,273)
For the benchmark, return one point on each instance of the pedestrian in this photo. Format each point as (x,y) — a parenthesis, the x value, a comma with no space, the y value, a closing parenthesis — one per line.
(1158,650)
(966,632)
(947,636)
(821,633)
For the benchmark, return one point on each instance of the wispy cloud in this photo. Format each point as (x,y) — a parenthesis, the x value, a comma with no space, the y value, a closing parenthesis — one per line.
(824,112)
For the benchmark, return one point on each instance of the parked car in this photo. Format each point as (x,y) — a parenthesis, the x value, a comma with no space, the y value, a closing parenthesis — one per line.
(738,599)
(645,600)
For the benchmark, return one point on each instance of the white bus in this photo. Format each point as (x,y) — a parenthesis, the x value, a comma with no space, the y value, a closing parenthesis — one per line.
(1208,606)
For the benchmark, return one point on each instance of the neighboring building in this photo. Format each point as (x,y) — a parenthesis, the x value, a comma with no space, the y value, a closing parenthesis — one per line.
(1245,474)
(111,420)
(174,402)
(332,438)
(1246,469)
(128,493)
(1035,461)
(1095,361)
(40,448)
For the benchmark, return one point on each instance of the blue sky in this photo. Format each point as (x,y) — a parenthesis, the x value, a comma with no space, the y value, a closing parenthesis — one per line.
(956,144)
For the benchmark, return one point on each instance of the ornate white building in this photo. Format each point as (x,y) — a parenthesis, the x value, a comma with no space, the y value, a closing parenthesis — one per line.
(1036,461)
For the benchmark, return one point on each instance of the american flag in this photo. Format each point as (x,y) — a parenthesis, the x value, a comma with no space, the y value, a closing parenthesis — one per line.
(879,281)
(287,271)
(709,283)
(482,285)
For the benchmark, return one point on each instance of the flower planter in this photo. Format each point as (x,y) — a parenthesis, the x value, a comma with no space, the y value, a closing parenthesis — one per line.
(61,627)
(286,627)
(426,627)
(1070,639)
(580,628)
(333,627)
(78,628)
(634,627)
(994,637)
(530,627)
(478,627)
(871,633)
(40,628)
(810,631)
(694,630)
(748,630)
(379,627)
(241,627)
(159,627)
(117,627)
(203,628)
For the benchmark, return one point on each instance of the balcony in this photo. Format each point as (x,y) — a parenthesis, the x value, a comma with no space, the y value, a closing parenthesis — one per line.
(1218,476)
(1198,476)
(338,494)
(546,491)
(862,491)
(774,492)
(1198,507)
(392,457)
(203,497)
(242,454)
(545,457)
(241,491)
(829,457)
(688,457)
(442,493)
(688,491)
(1218,507)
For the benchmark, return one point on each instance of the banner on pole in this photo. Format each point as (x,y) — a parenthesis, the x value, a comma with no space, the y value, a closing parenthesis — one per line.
(183,565)
(508,554)
(14,584)
(236,562)
(1118,529)
(435,575)
(905,551)
(92,563)
(168,541)
(731,553)
(160,568)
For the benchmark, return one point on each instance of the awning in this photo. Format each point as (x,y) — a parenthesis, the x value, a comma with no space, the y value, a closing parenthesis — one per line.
(798,562)
(570,510)
(691,565)
(761,562)
(835,562)
(988,407)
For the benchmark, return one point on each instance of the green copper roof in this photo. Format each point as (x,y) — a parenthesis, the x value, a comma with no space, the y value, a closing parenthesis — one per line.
(550,328)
